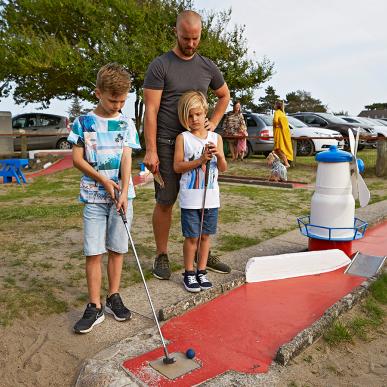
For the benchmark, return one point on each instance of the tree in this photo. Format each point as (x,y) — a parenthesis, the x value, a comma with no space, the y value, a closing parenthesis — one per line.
(268,101)
(75,109)
(54,48)
(302,101)
(377,106)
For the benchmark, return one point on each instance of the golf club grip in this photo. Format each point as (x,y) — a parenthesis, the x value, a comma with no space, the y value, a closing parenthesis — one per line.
(122,213)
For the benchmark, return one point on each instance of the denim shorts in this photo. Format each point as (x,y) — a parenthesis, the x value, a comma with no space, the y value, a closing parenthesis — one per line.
(103,229)
(190,222)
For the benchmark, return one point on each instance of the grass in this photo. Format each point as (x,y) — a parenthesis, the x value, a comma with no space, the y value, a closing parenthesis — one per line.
(231,242)
(370,317)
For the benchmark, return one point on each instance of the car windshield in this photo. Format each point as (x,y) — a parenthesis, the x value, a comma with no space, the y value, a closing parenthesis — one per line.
(296,122)
(332,118)
(368,121)
(268,120)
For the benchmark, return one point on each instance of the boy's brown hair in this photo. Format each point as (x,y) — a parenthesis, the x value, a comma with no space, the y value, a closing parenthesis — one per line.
(190,100)
(113,78)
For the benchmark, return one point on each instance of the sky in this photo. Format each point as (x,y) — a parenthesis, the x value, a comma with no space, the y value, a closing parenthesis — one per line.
(334,49)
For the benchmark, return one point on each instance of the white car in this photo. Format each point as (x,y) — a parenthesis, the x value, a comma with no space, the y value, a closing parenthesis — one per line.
(379,128)
(309,146)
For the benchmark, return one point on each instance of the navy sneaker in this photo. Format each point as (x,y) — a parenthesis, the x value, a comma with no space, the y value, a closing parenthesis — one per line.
(190,282)
(116,307)
(203,281)
(91,317)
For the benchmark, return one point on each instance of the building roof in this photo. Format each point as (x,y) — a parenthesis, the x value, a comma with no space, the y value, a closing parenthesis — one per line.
(376,113)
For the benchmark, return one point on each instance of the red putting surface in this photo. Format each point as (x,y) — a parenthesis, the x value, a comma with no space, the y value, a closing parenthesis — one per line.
(243,329)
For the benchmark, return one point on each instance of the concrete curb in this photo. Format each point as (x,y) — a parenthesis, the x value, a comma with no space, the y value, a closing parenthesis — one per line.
(180,307)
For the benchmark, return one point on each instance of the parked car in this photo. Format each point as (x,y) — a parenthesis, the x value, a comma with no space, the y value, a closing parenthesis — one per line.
(376,126)
(309,146)
(40,125)
(258,125)
(329,121)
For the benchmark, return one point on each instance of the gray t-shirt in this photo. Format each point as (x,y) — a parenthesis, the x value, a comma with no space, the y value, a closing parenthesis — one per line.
(175,76)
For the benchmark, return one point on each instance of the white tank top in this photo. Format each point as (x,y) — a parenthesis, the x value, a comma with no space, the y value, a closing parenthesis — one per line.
(192,182)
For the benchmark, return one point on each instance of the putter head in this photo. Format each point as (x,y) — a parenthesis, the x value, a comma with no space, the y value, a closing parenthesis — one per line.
(168,360)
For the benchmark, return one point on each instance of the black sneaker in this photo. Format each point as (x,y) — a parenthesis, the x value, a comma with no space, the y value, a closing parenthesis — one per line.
(214,264)
(161,268)
(204,283)
(92,316)
(116,307)
(190,282)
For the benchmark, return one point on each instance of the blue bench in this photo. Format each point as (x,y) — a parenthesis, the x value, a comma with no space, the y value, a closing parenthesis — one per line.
(12,168)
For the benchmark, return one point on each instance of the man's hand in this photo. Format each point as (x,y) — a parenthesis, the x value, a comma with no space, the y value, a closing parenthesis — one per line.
(209,125)
(151,161)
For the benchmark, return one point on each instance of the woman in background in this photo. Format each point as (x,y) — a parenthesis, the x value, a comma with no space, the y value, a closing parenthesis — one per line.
(282,140)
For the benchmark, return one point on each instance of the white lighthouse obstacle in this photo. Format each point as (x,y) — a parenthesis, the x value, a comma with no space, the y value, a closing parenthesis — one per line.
(332,223)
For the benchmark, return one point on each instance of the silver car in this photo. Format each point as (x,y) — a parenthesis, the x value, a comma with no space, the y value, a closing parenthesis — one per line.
(44,131)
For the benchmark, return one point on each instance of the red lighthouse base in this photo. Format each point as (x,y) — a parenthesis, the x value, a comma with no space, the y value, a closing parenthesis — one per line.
(320,244)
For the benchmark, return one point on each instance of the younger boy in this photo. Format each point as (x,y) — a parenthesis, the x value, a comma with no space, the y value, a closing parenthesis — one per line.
(102,142)
(194,149)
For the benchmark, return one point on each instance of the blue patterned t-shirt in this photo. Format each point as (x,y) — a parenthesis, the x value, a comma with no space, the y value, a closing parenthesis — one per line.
(104,140)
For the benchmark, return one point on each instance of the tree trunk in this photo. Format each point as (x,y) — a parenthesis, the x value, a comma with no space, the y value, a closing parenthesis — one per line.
(381,158)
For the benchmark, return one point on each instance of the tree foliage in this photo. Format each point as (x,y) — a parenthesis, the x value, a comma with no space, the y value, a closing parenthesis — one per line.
(268,100)
(377,106)
(76,109)
(54,48)
(302,101)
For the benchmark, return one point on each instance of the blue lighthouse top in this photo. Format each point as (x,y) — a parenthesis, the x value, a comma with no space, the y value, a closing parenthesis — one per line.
(334,155)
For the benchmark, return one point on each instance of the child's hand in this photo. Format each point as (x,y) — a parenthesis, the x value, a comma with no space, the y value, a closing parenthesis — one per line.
(109,187)
(213,149)
(122,202)
(207,154)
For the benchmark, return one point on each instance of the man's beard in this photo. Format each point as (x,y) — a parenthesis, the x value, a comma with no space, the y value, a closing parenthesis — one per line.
(185,51)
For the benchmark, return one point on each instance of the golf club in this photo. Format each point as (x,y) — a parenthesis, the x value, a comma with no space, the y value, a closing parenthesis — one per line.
(167,359)
(202,213)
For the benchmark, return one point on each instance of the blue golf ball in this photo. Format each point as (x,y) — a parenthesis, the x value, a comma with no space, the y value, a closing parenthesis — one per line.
(190,353)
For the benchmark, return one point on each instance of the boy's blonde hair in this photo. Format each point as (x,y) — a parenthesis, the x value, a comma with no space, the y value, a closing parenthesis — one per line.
(190,100)
(113,78)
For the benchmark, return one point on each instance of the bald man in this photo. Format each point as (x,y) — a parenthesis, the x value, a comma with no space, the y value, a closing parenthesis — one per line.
(167,78)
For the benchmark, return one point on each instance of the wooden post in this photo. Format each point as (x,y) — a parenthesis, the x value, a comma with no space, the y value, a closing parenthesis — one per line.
(23,144)
(381,158)
(294,145)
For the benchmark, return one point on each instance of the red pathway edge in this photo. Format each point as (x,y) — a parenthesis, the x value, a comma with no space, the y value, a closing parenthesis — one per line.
(243,329)
(66,163)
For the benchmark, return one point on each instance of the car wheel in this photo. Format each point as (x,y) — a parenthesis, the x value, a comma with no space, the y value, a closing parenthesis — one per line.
(63,144)
(305,147)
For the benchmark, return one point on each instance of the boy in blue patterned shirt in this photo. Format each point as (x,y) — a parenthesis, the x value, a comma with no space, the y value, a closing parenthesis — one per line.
(102,145)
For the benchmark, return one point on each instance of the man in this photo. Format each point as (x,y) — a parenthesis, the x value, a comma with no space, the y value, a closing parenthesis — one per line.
(167,78)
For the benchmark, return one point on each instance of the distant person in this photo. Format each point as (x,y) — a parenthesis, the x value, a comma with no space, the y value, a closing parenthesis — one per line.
(282,139)
(234,125)
(103,141)
(194,148)
(167,78)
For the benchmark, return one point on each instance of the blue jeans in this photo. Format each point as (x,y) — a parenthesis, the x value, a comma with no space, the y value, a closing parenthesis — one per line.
(104,229)
(190,222)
